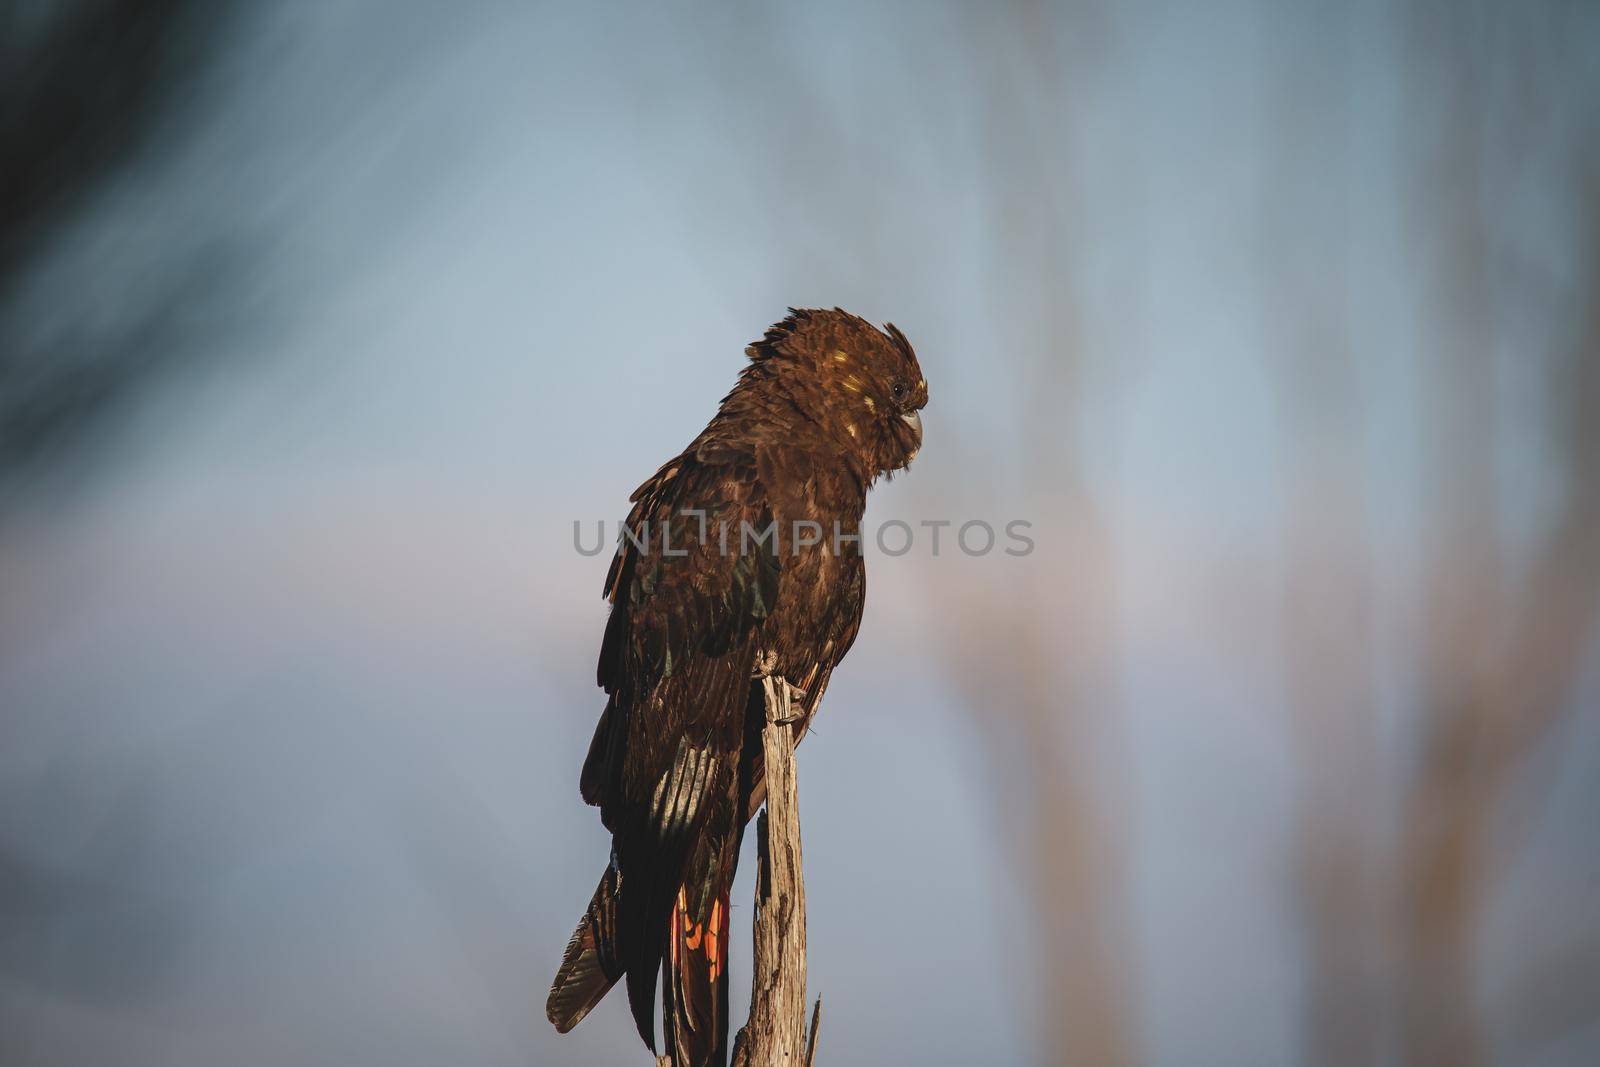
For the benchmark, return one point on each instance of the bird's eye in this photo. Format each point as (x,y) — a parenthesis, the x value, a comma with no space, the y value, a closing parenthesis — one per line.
(898,390)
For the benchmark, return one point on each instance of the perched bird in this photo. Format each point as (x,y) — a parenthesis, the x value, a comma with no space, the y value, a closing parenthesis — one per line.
(740,559)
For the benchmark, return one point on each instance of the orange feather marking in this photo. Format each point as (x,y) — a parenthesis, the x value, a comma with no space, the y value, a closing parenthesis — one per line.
(672,942)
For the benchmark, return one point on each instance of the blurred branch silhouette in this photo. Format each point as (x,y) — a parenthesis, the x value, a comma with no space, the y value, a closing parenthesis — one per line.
(1499,655)
(85,87)
(1034,663)
(1501,649)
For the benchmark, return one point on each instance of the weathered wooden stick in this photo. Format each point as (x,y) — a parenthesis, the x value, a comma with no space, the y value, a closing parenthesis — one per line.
(775,1035)
(811,1036)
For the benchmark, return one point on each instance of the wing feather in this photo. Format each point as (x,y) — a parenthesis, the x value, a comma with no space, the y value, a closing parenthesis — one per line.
(676,662)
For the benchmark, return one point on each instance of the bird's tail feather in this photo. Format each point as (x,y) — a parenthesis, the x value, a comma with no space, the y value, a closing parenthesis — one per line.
(591,965)
(694,984)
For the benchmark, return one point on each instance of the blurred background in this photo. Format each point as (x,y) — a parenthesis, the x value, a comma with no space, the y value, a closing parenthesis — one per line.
(321,323)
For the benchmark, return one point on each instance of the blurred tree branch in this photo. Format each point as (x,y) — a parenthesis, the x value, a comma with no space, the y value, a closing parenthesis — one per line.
(1035,663)
(1501,655)
(85,87)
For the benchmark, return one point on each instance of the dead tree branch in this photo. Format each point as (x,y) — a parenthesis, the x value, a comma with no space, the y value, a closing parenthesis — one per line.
(776,1031)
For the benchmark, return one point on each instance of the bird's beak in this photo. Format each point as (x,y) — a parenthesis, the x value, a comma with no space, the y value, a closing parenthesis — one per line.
(914,420)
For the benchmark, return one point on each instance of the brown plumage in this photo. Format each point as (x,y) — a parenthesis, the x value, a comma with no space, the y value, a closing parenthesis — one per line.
(741,555)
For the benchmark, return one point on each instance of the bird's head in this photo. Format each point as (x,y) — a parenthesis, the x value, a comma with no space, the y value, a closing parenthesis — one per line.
(862,385)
